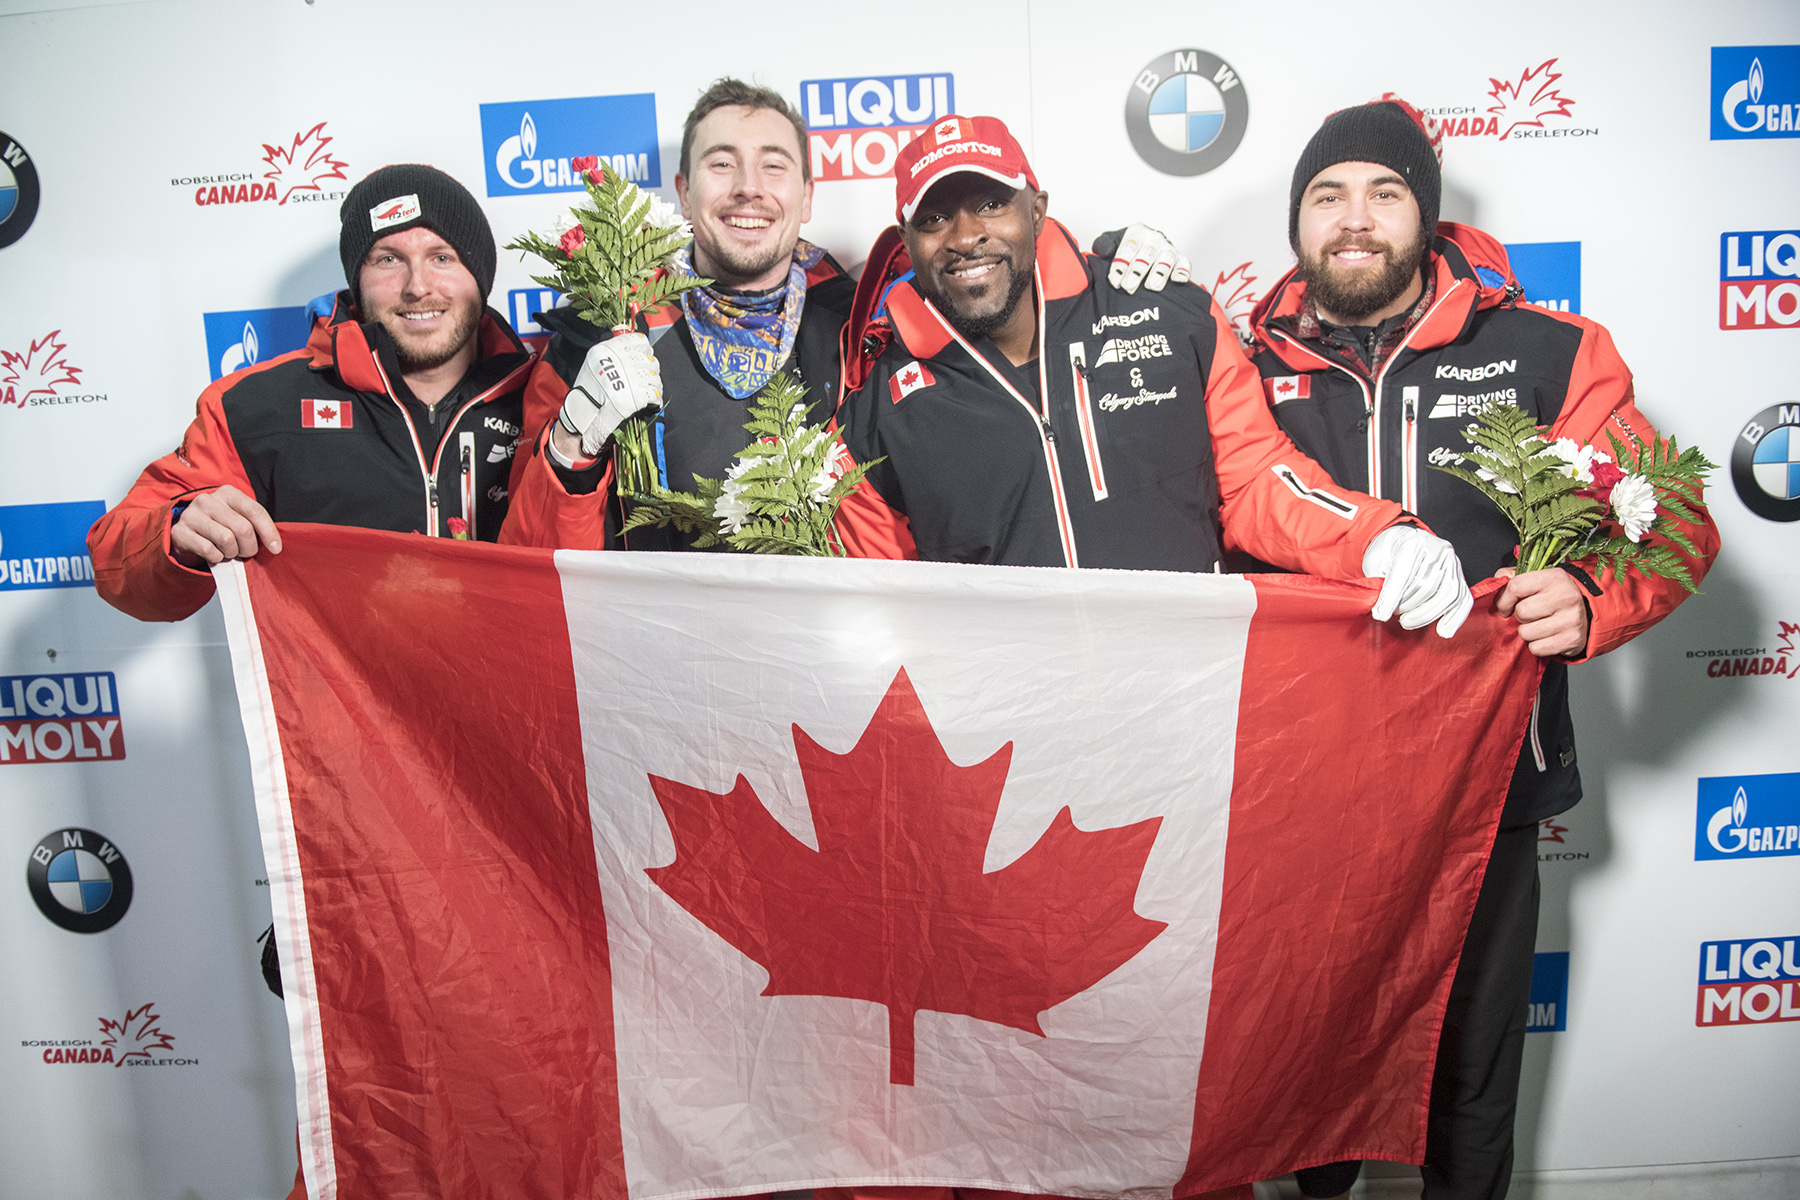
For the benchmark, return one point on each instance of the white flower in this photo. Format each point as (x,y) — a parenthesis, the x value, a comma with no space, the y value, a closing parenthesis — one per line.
(826,477)
(662,214)
(1634,505)
(565,221)
(1578,460)
(729,508)
(1500,485)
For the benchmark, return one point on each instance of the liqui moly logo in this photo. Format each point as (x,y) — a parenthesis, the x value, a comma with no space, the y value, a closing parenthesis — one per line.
(1759,279)
(1749,982)
(59,718)
(859,124)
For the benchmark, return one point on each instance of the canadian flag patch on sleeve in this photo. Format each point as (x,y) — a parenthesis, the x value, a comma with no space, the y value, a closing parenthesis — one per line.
(909,379)
(324,414)
(1287,387)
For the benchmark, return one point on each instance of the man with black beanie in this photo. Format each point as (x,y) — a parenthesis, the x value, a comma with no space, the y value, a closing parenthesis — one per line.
(1390,333)
(402,412)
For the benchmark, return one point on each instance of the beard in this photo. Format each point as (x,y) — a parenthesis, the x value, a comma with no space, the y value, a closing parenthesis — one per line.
(731,264)
(426,356)
(1355,295)
(981,316)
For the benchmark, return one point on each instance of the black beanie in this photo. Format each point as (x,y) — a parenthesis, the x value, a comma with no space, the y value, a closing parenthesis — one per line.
(400,197)
(1382,133)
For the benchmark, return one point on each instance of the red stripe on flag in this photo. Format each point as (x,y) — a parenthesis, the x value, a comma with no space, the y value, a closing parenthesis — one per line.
(424,926)
(1314,903)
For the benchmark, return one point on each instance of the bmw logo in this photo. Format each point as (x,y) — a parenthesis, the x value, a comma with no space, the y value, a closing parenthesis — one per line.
(79,880)
(1765,463)
(1186,112)
(18,191)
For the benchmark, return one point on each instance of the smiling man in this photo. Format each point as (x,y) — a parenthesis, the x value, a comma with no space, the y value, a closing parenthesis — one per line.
(402,412)
(1023,412)
(1392,330)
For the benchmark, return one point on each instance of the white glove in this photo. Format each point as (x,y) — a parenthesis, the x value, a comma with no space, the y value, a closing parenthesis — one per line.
(1146,256)
(618,379)
(1424,580)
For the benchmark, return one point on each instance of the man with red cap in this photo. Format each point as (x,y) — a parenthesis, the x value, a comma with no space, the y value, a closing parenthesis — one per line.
(1023,412)
(1375,350)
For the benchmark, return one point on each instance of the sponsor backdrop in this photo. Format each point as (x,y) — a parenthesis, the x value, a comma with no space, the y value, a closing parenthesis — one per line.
(170,175)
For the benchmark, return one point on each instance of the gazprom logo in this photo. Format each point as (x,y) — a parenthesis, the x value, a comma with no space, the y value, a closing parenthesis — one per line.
(45,545)
(1748,816)
(1755,92)
(528,144)
(858,125)
(1550,273)
(245,337)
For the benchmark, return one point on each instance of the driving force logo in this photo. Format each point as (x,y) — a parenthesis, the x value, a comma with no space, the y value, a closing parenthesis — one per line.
(528,144)
(1758,270)
(59,718)
(1755,92)
(79,880)
(1748,816)
(1748,982)
(1186,112)
(300,169)
(858,125)
(1529,104)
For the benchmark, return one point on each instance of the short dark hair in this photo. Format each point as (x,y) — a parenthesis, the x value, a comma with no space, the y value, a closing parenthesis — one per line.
(729,92)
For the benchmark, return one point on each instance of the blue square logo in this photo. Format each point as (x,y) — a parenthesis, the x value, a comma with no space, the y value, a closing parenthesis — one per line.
(528,144)
(235,340)
(45,545)
(1748,816)
(1550,273)
(1755,92)
(1548,1009)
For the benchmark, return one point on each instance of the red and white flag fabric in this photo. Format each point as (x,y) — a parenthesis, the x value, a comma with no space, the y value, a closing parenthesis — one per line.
(1280,388)
(672,876)
(324,414)
(909,379)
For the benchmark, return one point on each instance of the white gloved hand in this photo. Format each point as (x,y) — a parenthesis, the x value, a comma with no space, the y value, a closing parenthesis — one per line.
(1146,256)
(1423,579)
(618,379)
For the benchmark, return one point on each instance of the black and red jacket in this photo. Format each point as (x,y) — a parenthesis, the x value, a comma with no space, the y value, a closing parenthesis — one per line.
(1138,439)
(1382,431)
(320,435)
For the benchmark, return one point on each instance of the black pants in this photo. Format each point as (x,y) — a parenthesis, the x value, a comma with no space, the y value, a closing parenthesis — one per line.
(1475,1084)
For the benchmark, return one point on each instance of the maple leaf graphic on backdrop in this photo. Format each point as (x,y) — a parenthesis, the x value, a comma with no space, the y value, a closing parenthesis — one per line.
(1530,100)
(304,165)
(1236,294)
(136,1036)
(37,372)
(1787,648)
(893,907)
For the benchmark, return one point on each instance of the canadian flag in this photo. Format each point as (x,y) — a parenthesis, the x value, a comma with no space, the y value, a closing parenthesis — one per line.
(1287,387)
(325,414)
(708,875)
(909,379)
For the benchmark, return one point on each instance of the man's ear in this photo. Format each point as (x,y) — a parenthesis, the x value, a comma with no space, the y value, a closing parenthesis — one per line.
(681,191)
(1040,207)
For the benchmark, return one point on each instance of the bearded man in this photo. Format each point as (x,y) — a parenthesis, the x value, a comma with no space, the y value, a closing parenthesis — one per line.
(1375,351)
(402,412)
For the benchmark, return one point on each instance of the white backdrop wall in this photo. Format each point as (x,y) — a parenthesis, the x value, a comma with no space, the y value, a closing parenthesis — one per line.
(129,291)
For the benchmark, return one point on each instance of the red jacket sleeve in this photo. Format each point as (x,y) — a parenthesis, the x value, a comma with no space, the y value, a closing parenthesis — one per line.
(1600,402)
(1274,501)
(541,511)
(869,527)
(134,570)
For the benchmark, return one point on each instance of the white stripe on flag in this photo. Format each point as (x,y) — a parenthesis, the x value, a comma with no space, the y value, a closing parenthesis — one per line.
(281,862)
(1118,692)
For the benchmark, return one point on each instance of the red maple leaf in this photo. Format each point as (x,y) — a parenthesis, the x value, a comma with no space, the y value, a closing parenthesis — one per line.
(325,413)
(1550,831)
(909,376)
(38,371)
(893,907)
(1286,386)
(1235,294)
(304,165)
(1530,100)
(137,1035)
(1786,649)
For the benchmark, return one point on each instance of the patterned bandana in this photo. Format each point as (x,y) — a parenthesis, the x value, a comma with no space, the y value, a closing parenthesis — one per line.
(743,338)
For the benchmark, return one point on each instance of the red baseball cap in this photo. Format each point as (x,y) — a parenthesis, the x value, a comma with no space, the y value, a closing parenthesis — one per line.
(983,145)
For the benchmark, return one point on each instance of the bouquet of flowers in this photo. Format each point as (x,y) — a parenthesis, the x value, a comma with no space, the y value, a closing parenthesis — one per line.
(1577,504)
(610,257)
(778,497)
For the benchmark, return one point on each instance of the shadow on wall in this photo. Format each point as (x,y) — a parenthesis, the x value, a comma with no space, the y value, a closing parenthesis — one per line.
(1641,706)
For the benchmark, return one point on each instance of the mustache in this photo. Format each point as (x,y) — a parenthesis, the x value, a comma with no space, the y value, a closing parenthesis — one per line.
(1356,242)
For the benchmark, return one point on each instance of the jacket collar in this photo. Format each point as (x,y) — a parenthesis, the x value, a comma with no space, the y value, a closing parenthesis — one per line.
(1470,272)
(1061,274)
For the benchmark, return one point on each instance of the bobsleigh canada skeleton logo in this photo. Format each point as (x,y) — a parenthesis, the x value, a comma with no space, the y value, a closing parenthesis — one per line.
(18,191)
(1783,660)
(297,170)
(1530,104)
(135,1041)
(79,880)
(41,375)
(1186,112)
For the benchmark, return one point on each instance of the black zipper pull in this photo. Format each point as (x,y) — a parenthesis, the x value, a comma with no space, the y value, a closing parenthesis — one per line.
(1049,433)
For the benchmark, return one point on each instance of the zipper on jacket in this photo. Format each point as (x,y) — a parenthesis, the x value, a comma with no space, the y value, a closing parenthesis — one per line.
(1373,466)
(465,451)
(1409,467)
(1084,416)
(1039,419)
(1409,439)
(1537,743)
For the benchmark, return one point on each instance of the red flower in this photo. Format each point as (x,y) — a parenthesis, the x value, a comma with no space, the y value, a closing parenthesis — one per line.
(1605,475)
(597,176)
(459,528)
(572,240)
(586,162)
